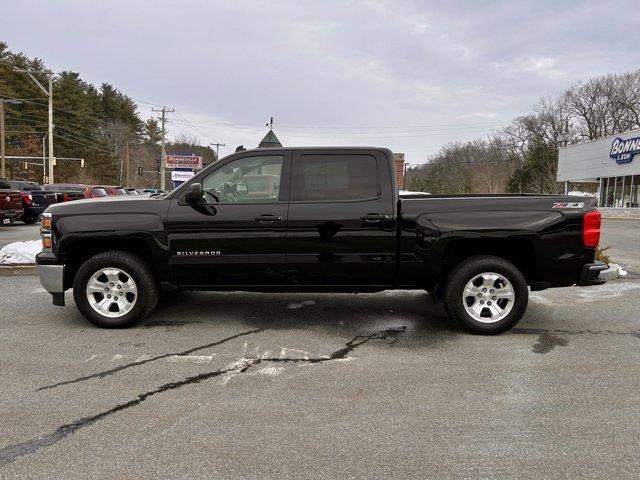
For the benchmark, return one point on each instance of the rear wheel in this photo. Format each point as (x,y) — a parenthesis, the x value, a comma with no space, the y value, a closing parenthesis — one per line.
(29,219)
(115,289)
(487,295)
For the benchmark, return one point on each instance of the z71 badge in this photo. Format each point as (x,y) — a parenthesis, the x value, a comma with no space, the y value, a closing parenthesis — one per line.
(568,204)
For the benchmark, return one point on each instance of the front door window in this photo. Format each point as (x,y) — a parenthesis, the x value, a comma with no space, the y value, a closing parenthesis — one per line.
(247,180)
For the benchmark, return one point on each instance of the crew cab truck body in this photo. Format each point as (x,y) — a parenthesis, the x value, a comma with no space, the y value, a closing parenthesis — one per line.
(331,219)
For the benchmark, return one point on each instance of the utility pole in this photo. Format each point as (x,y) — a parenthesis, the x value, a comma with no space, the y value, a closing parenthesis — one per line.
(44,161)
(126,157)
(3,166)
(49,93)
(218,145)
(163,152)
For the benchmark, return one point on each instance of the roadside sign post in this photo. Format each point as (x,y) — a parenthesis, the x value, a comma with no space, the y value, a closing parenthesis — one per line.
(183,167)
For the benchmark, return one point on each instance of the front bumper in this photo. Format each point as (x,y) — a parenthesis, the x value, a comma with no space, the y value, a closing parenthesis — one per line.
(52,279)
(590,272)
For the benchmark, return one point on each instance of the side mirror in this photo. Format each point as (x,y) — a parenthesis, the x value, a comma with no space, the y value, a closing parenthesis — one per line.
(193,195)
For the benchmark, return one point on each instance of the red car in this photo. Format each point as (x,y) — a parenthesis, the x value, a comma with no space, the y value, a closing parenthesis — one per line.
(74,191)
(113,190)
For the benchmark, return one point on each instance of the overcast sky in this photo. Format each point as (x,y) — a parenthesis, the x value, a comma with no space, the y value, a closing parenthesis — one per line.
(410,75)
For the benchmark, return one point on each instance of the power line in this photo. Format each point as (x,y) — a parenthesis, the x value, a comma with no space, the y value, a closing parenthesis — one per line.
(81,143)
(193,127)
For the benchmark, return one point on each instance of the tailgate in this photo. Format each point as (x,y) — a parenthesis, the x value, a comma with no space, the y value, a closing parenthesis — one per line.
(42,198)
(10,200)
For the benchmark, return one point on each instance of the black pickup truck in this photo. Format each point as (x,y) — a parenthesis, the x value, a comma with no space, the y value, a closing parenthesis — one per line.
(34,199)
(317,219)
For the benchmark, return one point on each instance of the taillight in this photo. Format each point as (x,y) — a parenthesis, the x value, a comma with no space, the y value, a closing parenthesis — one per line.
(27,198)
(591,228)
(66,197)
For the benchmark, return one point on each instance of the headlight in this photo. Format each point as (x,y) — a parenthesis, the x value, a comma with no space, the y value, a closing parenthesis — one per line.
(45,232)
(46,221)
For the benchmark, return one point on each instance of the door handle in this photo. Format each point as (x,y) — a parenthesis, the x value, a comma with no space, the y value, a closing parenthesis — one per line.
(374,217)
(267,217)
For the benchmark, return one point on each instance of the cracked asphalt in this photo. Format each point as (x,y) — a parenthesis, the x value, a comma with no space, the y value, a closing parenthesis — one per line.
(245,385)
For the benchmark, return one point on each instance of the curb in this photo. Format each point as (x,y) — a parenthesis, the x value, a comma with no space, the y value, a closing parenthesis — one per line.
(14,270)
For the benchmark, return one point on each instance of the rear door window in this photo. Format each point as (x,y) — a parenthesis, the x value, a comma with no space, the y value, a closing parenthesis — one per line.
(334,177)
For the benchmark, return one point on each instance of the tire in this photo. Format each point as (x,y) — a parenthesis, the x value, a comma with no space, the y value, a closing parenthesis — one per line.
(480,311)
(123,275)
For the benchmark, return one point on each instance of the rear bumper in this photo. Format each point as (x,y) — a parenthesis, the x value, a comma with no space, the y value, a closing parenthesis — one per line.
(11,215)
(34,210)
(590,273)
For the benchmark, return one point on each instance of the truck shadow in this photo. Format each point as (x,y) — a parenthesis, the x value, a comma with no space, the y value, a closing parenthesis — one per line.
(345,313)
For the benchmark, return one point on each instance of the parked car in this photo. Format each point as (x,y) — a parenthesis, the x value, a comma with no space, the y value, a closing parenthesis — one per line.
(66,192)
(34,199)
(10,203)
(113,190)
(336,223)
(132,191)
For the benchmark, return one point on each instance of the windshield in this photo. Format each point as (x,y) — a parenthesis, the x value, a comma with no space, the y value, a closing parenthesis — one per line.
(98,192)
(120,191)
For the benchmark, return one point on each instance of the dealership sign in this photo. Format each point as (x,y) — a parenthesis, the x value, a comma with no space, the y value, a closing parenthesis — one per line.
(181,176)
(184,161)
(622,151)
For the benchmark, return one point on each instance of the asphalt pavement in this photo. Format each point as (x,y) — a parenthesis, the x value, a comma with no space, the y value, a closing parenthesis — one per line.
(18,232)
(246,385)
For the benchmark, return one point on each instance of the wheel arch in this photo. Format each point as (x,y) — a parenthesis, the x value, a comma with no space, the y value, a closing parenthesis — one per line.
(79,250)
(518,251)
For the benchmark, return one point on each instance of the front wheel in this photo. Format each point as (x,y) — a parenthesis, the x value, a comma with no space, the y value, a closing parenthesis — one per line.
(487,295)
(115,289)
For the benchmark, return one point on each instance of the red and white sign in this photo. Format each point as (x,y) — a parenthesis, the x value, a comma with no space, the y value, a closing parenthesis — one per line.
(184,161)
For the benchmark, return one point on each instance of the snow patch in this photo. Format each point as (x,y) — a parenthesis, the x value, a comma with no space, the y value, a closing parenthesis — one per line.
(343,360)
(20,252)
(271,371)
(190,358)
(304,303)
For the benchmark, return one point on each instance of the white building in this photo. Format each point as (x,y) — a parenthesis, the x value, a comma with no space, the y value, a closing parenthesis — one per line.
(613,163)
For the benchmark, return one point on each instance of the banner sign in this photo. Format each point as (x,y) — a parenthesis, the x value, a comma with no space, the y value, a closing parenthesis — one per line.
(181,175)
(184,161)
(622,151)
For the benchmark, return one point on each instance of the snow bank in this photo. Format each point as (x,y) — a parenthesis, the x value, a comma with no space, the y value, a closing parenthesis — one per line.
(614,271)
(20,252)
